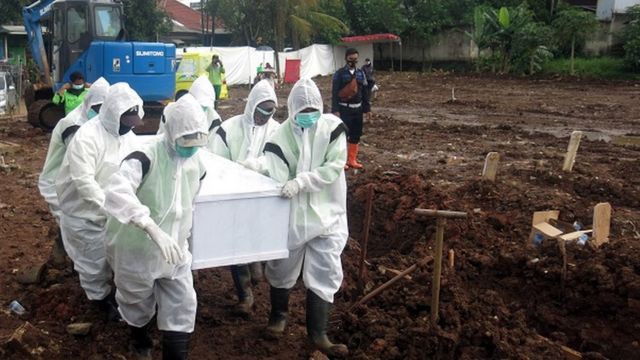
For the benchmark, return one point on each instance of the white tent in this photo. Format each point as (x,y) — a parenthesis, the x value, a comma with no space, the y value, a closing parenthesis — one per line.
(241,63)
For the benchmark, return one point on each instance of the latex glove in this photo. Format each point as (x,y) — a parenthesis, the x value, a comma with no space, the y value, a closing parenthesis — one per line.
(168,247)
(290,189)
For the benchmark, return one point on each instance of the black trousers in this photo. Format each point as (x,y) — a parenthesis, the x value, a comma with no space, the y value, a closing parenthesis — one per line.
(353,119)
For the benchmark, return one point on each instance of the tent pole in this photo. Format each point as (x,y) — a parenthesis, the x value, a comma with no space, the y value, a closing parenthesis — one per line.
(400,55)
(391,44)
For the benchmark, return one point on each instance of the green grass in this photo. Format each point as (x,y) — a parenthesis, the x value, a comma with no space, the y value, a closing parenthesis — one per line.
(598,68)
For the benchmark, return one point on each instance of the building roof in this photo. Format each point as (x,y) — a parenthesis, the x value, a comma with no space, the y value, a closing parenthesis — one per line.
(13,29)
(188,17)
(372,38)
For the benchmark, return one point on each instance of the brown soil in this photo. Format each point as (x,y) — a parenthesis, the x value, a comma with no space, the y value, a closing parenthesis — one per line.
(420,149)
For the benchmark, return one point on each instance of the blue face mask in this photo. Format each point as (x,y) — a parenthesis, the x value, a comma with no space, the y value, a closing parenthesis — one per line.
(92,113)
(307,120)
(186,152)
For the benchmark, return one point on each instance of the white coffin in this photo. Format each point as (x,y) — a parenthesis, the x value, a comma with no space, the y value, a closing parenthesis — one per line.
(239,216)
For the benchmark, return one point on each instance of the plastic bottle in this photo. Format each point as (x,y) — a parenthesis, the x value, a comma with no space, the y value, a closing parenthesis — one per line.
(17,308)
(537,239)
(583,239)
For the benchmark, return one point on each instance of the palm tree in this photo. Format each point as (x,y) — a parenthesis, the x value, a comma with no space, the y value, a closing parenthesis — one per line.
(299,20)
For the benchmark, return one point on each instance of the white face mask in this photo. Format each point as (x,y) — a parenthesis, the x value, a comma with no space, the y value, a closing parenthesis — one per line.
(77,86)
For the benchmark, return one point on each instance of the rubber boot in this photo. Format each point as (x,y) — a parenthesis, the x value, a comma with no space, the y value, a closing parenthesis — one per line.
(58,254)
(109,306)
(175,345)
(242,280)
(317,321)
(352,156)
(141,343)
(257,272)
(279,312)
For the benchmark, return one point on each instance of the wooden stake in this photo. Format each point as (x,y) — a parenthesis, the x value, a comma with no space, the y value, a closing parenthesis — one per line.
(365,238)
(570,157)
(601,223)
(386,285)
(437,270)
(490,166)
(452,256)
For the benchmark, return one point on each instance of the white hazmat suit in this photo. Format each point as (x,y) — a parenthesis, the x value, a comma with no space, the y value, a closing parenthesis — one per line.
(61,137)
(238,138)
(205,94)
(314,158)
(91,158)
(241,140)
(154,191)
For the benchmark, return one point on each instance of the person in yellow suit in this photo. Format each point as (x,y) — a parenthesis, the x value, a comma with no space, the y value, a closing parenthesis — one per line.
(71,94)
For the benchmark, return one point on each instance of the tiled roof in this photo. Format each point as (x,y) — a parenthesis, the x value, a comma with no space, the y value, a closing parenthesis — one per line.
(186,16)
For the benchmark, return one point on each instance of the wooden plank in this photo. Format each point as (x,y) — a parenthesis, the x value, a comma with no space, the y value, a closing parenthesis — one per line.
(569,353)
(440,213)
(544,216)
(547,229)
(572,150)
(393,271)
(540,217)
(490,166)
(574,235)
(601,223)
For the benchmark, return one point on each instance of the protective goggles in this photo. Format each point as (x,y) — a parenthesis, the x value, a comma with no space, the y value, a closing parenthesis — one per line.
(266,112)
(192,140)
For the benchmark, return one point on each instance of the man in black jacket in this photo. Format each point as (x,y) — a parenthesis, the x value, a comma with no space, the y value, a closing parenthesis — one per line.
(349,101)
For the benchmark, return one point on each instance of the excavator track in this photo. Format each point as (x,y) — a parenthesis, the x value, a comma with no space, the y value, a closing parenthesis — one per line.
(44,114)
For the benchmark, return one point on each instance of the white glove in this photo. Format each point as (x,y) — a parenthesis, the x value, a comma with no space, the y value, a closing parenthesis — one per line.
(290,189)
(168,247)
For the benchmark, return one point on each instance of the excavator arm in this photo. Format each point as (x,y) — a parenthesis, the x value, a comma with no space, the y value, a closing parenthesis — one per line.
(31,16)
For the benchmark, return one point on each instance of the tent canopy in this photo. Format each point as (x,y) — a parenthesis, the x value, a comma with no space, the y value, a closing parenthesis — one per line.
(372,38)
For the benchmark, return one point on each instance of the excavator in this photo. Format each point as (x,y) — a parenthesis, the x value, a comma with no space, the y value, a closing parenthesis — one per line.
(89,36)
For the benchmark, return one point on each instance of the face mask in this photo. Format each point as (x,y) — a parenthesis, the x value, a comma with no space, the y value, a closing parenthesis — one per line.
(78,86)
(186,152)
(124,129)
(307,120)
(92,113)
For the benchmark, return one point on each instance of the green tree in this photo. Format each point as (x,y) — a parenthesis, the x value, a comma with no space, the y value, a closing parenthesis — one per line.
(573,25)
(631,38)
(427,18)
(144,21)
(11,11)
(247,19)
(377,16)
(210,13)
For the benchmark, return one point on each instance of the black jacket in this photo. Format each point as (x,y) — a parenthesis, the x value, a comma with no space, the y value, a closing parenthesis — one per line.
(341,78)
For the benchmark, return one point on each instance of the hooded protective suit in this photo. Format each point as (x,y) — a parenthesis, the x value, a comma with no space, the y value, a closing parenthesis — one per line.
(238,138)
(91,158)
(314,159)
(61,137)
(156,187)
(203,91)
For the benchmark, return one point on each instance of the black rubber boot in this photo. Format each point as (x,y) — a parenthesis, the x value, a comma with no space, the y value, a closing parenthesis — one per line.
(317,321)
(141,343)
(58,254)
(242,280)
(109,306)
(279,311)
(175,345)
(257,272)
